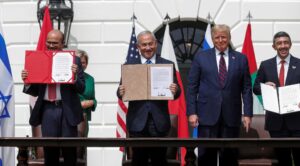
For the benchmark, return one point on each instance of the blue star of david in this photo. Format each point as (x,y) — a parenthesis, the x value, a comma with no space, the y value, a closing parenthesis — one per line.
(4,112)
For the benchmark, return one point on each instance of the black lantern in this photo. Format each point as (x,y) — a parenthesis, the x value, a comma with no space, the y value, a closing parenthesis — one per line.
(61,14)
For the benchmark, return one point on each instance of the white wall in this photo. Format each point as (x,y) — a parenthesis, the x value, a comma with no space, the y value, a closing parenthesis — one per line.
(103,27)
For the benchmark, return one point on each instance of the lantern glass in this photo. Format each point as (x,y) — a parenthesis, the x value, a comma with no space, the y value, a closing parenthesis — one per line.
(61,13)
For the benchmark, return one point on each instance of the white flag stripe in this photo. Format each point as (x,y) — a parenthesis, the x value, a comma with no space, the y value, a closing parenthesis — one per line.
(5,78)
(122,114)
(121,132)
(167,50)
(208,36)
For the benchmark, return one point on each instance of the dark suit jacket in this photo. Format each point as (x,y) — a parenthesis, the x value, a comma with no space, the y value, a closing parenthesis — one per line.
(268,73)
(72,109)
(138,111)
(207,99)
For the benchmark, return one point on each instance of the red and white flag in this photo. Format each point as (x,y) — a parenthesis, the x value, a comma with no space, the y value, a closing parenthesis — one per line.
(132,53)
(41,45)
(177,106)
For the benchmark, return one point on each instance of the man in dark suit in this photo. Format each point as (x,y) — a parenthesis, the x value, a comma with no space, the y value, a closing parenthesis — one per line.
(281,70)
(60,114)
(219,80)
(148,118)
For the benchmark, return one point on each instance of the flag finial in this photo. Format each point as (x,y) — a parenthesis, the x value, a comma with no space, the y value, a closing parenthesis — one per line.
(209,18)
(249,16)
(133,18)
(167,17)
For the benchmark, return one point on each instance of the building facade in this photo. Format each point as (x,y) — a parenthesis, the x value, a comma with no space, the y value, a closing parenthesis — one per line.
(103,28)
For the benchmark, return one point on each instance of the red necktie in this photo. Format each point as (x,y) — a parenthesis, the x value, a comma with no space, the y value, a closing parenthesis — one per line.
(52,92)
(222,70)
(281,73)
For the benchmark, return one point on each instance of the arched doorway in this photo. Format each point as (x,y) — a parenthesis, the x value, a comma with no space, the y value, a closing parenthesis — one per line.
(187,36)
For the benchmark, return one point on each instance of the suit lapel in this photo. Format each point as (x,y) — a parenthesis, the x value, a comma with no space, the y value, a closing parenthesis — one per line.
(158,60)
(213,63)
(273,72)
(231,63)
(291,71)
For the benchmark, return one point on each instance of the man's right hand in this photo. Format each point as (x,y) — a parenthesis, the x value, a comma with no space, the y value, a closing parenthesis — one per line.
(121,90)
(271,84)
(24,75)
(193,120)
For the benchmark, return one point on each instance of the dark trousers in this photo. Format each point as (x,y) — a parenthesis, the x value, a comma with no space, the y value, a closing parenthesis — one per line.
(211,156)
(141,155)
(286,156)
(54,124)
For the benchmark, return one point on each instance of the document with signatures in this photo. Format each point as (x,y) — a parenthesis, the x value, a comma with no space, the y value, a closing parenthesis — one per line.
(281,100)
(161,79)
(49,66)
(147,82)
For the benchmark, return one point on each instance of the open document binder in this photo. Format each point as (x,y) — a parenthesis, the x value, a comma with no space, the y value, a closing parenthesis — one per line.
(281,100)
(147,82)
(49,66)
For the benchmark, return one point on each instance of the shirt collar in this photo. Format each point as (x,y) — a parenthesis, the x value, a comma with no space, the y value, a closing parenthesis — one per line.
(287,59)
(226,52)
(153,59)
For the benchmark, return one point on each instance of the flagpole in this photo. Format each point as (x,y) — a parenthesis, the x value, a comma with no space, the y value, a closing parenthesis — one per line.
(133,18)
(249,16)
(198,9)
(209,18)
(167,18)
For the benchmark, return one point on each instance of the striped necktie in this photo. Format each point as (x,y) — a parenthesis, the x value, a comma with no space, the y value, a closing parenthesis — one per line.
(148,61)
(222,70)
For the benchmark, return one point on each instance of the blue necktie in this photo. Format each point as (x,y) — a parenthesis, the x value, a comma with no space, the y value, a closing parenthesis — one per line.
(148,61)
(222,70)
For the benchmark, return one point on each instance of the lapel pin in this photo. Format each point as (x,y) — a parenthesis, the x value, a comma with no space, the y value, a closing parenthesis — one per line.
(293,67)
(233,57)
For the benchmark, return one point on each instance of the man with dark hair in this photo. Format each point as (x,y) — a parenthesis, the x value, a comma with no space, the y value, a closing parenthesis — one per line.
(58,107)
(281,70)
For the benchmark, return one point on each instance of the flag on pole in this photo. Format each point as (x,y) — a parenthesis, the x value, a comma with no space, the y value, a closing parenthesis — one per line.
(132,53)
(45,29)
(248,50)
(7,106)
(41,45)
(206,44)
(177,106)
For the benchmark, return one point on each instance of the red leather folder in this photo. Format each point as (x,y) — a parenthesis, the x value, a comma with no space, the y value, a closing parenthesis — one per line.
(39,66)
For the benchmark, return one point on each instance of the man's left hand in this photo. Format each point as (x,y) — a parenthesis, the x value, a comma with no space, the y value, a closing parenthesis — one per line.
(74,68)
(247,122)
(173,87)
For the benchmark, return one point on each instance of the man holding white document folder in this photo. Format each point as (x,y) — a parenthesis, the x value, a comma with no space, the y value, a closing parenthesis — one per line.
(279,71)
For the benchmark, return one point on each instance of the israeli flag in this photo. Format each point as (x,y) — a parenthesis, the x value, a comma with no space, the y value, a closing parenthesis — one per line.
(7,104)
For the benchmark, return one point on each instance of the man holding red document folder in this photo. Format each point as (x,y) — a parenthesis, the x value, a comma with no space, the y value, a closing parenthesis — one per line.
(57,108)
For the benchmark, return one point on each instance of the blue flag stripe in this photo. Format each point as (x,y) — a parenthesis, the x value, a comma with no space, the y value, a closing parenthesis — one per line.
(3,54)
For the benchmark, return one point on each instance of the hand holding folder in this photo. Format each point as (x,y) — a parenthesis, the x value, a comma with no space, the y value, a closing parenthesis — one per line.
(49,66)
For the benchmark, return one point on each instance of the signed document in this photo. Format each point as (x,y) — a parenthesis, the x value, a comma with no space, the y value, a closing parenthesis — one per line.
(281,100)
(147,82)
(61,67)
(161,79)
(49,66)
